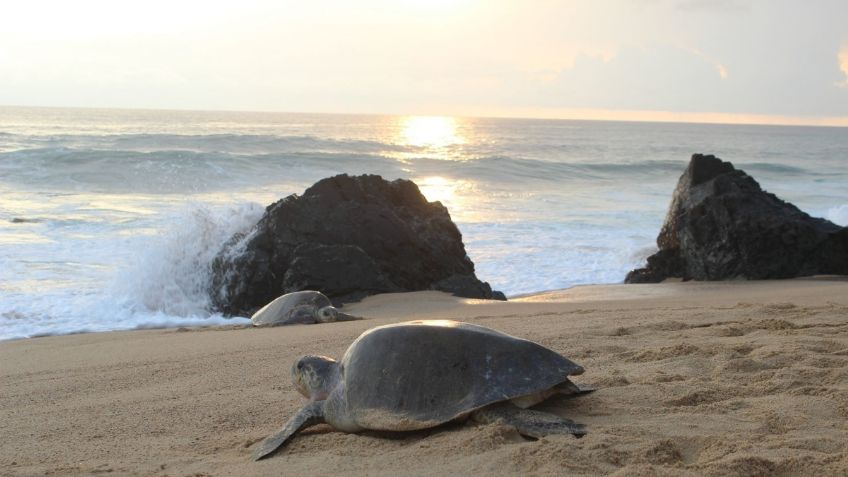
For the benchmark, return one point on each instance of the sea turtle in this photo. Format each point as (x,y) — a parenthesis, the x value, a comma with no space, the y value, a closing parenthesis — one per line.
(421,374)
(301,307)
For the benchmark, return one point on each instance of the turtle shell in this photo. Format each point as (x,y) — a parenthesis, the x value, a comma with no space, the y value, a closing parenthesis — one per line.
(296,307)
(420,374)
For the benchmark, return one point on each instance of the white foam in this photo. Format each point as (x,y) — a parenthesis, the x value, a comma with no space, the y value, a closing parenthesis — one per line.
(530,257)
(838,215)
(160,279)
(172,273)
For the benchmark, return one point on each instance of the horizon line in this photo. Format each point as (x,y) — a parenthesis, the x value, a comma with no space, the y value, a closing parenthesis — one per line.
(553,114)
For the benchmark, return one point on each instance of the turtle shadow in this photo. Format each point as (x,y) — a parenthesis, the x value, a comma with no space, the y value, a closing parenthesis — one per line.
(558,405)
(417,435)
(412,436)
(318,430)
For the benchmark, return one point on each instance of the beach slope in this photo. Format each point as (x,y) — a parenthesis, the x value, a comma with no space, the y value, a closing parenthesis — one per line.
(730,378)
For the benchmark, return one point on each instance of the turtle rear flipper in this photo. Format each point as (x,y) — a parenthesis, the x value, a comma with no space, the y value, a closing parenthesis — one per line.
(527,421)
(569,389)
(310,415)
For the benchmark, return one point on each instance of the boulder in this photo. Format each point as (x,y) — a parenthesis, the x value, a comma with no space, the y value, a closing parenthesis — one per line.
(348,237)
(721,225)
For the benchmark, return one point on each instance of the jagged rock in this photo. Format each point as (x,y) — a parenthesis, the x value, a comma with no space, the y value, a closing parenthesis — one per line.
(348,237)
(722,225)
(316,266)
(467,286)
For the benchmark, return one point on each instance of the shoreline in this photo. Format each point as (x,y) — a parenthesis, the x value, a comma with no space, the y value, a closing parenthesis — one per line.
(585,292)
(695,378)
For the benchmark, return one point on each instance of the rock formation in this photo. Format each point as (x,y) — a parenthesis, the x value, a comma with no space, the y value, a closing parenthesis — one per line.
(722,225)
(348,237)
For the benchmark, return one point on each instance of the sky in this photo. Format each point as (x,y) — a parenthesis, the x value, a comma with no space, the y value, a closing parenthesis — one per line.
(758,61)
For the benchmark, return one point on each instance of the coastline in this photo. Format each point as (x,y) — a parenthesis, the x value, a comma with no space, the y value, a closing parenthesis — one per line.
(700,378)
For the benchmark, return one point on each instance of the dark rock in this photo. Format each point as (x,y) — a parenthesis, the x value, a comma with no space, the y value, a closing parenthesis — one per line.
(722,225)
(316,267)
(467,286)
(347,237)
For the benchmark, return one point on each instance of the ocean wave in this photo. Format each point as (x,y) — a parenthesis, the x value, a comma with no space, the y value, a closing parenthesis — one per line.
(206,143)
(156,280)
(510,169)
(172,273)
(176,171)
(770,167)
(180,171)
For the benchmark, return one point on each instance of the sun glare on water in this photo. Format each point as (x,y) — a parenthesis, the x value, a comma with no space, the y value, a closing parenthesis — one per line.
(458,195)
(434,137)
(430,131)
(437,188)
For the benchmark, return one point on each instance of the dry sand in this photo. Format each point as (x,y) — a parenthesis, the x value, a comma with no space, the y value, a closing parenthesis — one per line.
(735,378)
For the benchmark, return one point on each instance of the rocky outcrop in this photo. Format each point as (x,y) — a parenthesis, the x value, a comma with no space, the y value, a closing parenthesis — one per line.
(348,237)
(722,225)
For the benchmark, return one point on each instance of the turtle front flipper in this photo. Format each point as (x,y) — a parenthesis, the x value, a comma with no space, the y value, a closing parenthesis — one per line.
(527,421)
(309,415)
(345,317)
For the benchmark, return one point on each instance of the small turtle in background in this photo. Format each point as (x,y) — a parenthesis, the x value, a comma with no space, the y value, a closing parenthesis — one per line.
(302,307)
(421,374)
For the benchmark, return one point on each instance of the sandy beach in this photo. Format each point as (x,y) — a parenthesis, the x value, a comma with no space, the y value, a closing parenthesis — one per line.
(730,378)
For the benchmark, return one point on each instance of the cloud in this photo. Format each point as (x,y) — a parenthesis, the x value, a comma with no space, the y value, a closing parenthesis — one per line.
(657,77)
(713,5)
(385,56)
(720,68)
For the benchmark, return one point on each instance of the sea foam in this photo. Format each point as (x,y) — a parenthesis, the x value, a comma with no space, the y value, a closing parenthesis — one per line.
(838,215)
(161,279)
(172,273)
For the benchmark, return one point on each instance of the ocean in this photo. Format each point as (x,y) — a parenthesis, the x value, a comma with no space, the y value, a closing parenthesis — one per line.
(109,219)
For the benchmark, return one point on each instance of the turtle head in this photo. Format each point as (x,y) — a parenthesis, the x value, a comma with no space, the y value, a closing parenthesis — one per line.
(315,376)
(327,314)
